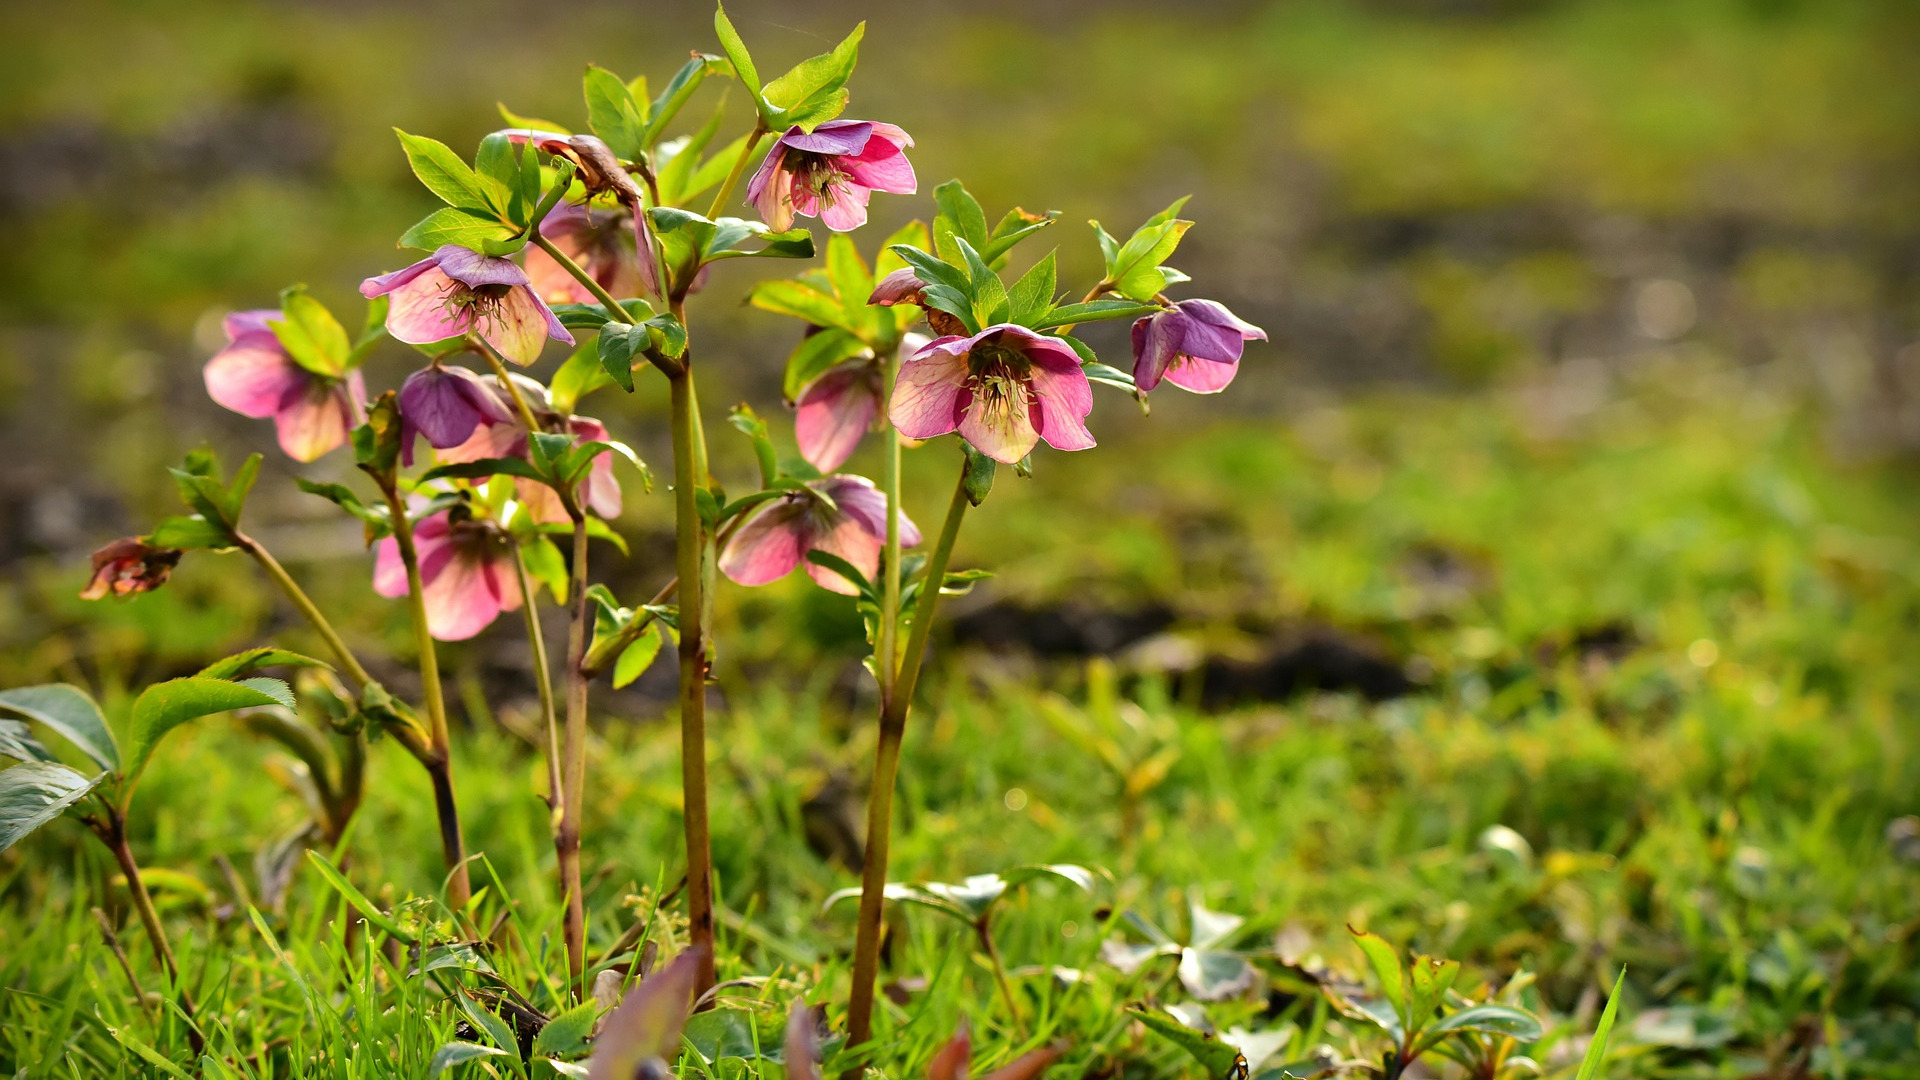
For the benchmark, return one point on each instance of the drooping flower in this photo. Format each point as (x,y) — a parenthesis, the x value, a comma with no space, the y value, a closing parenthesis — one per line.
(1004,390)
(601,242)
(834,410)
(840,515)
(127,566)
(455,291)
(830,172)
(502,434)
(466,573)
(446,404)
(903,286)
(1195,345)
(255,376)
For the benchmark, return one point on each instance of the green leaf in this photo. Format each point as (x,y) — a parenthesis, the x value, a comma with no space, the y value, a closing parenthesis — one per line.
(677,91)
(567,1033)
(613,114)
(989,293)
(358,900)
(1215,1057)
(1031,298)
(1493,1019)
(444,174)
(933,270)
(534,123)
(1597,1049)
(1101,373)
(748,422)
(1016,226)
(742,62)
(845,569)
(545,565)
(456,225)
(485,467)
(638,656)
(342,496)
(813,91)
(804,302)
(458,1053)
(18,744)
(235,499)
(310,333)
(615,349)
(962,211)
(1386,968)
(1432,978)
(165,706)
(34,793)
(847,271)
(978,477)
(191,533)
(1134,269)
(1093,311)
(1210,975)
(254,659)
(913,234)
(579,376)
(667,335)
(71,714)
(815,356)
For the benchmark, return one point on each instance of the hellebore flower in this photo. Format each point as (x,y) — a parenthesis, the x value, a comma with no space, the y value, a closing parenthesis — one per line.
(127,566)
(501,433)
(455,291)
(601,242)
(255,376)
(830,172)
(840,515)
(1195,345)
(1004,389)
(903,286)
(466,573)
(446,404)
(834,410)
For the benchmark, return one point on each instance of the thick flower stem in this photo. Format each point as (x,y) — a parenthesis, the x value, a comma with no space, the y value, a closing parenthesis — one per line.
(690,553)
(886,767)
(573,777)
(438,759)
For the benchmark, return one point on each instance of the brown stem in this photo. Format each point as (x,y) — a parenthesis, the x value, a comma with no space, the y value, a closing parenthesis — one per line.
(114,833)
(886,767)
(985,932)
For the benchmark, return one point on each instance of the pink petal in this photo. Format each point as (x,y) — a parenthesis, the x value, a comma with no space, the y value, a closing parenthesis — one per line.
(882,166)
(1003,433)
(1062,395)
(834,411)
(462,599)
(890,133)
(850,540)
(389,574)
(771,190)
(388,282)
(520,324)
(253,376)
(420,314)
(770,544)
(930,394)
(541,502)
(472,269)
(846,206)
(1155,346)
(552,282)
(859,499)
(256,321)
(900,287)
(1201,376)
(314,422)
(835,137)
(1214,313)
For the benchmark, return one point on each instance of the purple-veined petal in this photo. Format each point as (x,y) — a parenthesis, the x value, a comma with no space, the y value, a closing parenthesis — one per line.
(600,491)
(859,499)
(891,133)
(431,535)
(239,324)
(517,325)
(382,284)
(463,598)
(850,540)
(314,421)
(771,190)
(1214,313)
(771,543)
(420,313)
(835,137)
(253,376)
(1156,342)
(899,287)
(472,269)
(1199,376)
(1062,395)
(930,394)
(445,404)
(833,412)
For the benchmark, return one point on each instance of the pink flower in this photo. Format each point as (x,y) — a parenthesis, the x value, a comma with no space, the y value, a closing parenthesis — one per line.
(830,172)
(1004,389)
(254,376)
(840,515)
(500,434)
(903,286)
(834,410)
(1195,345)
(601,242)
(446,404)
(455,291)
(127,566)
(466,573)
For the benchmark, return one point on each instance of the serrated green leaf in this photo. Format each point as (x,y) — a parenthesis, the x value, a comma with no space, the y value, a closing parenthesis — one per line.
(18,744)
(567,1033)
(34,793)
(1093,311)
(638,656)
(455,225)
(1215,1057)
(443,173)
(962,210)
(310,334)
(1386,967)
(742,61)
(612,113)
(1031,297)
(165,706)
(458,1053)
(674,96)
(191,533)
(803,302)
(813,91)
(254,659)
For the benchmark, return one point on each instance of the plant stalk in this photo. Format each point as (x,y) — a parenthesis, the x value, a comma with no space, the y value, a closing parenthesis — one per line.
(573,777)
(739,167)
(114,833)
(886,768)
(348,662)
(438,759)
(690,553)
(985,931)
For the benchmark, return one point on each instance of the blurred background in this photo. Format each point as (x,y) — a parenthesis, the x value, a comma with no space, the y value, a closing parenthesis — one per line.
(1514,207)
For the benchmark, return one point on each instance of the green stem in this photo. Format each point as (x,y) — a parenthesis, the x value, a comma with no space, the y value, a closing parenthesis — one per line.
(890,558)
(542,675)
(886,768)
(606,299)
(500,372)
(438,759)
(739,167)
(573,777)
(690,545)
(985,932)
(348,662)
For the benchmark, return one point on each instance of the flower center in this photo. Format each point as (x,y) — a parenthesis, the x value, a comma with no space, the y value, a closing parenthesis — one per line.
(1000,379)
(480,303)
(817,173)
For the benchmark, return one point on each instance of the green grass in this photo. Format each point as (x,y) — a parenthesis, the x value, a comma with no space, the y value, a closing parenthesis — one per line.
(1706,808)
